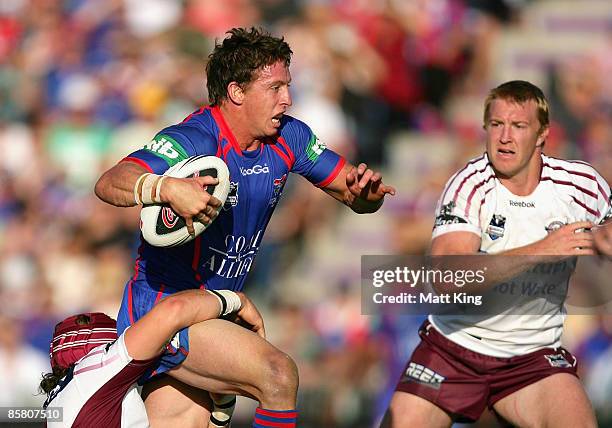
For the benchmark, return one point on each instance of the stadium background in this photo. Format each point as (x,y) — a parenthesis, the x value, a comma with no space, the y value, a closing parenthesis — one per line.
(395,83)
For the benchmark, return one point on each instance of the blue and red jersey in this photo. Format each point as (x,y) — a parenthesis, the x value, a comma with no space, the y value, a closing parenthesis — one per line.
(223,254)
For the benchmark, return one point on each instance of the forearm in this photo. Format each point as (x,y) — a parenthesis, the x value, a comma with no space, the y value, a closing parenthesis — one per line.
(195,306)
(149,335)
(494,268)
(503,267)
(116,186)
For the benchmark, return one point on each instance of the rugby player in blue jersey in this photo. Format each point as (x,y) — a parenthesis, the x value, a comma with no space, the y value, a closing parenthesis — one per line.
(246,125)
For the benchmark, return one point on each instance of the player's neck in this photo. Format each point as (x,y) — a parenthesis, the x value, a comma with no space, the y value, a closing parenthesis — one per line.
(525,182)
(239,126)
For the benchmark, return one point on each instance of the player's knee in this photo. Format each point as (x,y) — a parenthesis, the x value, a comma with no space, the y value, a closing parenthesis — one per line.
(281,377)
(283,372)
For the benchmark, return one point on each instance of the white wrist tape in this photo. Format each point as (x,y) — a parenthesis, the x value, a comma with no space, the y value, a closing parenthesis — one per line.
(147,188)
(222,412)
(137,190)
(157,197)
(230,301)
(144,187)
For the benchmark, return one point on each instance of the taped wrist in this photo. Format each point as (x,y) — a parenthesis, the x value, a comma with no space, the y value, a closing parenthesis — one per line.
(147,189)
(222,412)
(230,301)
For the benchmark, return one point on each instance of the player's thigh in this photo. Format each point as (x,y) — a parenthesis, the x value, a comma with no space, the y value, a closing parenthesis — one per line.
(558,400)
(409,410)
(227,358)
(170,402)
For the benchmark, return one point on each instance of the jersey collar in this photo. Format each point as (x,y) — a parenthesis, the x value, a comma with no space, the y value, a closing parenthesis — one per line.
(226,132)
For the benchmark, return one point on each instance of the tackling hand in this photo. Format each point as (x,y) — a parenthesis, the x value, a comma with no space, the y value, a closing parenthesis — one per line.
(249,317)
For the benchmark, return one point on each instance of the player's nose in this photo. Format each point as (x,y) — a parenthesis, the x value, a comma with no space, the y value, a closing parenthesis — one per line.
(286,97)
(505,135)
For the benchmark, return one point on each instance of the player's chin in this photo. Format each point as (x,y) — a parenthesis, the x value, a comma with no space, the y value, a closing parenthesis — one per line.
(504,168)
(270,131)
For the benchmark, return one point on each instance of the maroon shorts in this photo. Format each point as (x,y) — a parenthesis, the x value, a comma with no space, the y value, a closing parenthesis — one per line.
(464,382)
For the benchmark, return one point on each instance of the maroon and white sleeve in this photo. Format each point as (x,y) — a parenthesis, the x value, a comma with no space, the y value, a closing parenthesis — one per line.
(459,207)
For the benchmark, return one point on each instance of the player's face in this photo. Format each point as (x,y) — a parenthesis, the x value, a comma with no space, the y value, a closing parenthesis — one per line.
(513,138)
(267,98)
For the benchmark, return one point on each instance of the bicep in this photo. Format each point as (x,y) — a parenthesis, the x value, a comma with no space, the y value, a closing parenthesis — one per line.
(455,243)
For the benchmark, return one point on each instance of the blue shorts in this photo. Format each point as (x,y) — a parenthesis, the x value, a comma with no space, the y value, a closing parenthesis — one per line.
(138,299)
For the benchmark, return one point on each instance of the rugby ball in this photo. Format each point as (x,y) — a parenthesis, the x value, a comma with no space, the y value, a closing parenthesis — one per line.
(160,225)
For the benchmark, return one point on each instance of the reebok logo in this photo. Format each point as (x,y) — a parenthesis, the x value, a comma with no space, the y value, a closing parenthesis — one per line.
(423,375)
(257,169)
(522,204)
(558,360)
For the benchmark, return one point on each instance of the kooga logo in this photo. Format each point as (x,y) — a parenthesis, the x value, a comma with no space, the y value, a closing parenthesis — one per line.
(522,204)
(257,169)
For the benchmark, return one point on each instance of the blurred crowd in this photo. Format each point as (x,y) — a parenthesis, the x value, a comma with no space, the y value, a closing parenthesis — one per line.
(395,83)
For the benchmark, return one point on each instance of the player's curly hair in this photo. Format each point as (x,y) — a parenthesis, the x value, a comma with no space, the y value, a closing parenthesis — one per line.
(519,91)
(51,380)
(238,57)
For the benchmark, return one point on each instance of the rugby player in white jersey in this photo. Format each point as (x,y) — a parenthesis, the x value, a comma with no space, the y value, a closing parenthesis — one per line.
(512,201)
(95,372)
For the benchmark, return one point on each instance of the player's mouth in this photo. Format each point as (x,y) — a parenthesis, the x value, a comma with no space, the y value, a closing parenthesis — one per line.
(276,120)
(505,153)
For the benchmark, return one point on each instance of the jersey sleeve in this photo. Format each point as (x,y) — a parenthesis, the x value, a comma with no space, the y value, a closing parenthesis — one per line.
(172,145)
(604,199)
(313,160)
(459,206)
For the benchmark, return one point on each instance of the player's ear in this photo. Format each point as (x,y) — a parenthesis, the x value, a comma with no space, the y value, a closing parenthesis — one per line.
(235,93)
(542,137)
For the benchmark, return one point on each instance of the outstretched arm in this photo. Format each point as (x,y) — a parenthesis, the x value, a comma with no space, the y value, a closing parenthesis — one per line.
(570,240)
(359,188)
(148,336)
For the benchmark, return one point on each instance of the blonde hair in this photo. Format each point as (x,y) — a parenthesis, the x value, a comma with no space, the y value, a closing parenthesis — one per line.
(520,92)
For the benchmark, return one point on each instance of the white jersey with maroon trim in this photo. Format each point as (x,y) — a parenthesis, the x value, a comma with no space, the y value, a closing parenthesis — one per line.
(101,390)
(475,201)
